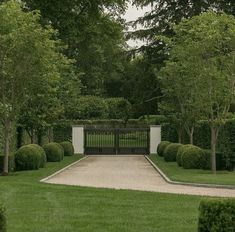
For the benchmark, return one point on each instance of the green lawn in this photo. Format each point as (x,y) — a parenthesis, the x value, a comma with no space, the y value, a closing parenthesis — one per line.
(176,173)
(39,207)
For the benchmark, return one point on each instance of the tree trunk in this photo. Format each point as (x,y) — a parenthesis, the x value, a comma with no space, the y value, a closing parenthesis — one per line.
(33,136)
(180,132)
(191,135)
(50,135)
(7,128)
(213,149)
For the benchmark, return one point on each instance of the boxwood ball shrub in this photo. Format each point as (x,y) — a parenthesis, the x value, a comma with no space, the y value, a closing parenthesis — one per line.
(54,152)
(42,154)
(27,158)
(68,148)
(217,216)
(170,152)
(2,219)
(161,147)
(61,150)
(180,153)
(193,158)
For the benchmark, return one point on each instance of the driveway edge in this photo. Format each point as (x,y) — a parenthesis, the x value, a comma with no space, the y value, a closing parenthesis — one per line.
(186,183)
(61,170)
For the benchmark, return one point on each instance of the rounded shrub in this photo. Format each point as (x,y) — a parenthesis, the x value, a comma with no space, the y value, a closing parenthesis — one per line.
(161,147)
(170,152)
(27,158)
(42,154)
(54,152)
(180,153)
(193,158)
(68,148)
(61,150)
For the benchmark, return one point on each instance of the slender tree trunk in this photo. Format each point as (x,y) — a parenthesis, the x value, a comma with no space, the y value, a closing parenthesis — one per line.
(50,134)
(213,148)
(180,132)
(33,136)
(7,128)
(191,135)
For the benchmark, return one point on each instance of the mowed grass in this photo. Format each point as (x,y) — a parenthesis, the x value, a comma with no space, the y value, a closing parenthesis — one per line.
(39,207)
(176,173)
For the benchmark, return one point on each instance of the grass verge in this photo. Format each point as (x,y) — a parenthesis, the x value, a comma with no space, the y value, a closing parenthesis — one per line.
(176,173)
(35,207)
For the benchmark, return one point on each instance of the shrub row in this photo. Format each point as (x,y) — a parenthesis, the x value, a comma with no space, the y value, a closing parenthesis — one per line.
(2,219)
(189,156)
(33,157)
(217,216)
(225,144)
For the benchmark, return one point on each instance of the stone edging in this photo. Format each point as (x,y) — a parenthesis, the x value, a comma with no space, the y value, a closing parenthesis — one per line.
(61,170)
(187,183)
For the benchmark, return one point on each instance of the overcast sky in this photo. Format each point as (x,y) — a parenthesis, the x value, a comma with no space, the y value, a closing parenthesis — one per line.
(132,14)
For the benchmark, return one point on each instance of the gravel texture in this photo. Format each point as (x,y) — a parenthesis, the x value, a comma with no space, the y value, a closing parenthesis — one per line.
(131,172)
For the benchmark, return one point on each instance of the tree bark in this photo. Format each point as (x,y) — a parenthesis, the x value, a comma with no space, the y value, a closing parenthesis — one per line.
(213,148)
(33,136)
(50,135)
(191,135)
(180,132)
(7,128)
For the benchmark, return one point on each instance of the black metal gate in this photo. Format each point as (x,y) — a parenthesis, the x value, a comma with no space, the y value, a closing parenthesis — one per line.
(116,141)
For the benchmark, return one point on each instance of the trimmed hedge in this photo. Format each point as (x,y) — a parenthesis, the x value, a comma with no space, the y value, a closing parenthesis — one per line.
(180,153)
(3,223)
(170,152)
(161,147)
(54,152)
(42,154)
(11,163)
(217,216)
(68,148)
(220,161)
(27,158)
(193,157)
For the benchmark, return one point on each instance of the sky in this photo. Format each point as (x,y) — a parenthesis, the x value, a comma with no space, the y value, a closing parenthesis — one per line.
(132,14)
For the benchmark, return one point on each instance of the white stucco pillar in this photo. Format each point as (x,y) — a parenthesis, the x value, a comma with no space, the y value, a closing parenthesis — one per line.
(155,138)
(78,139)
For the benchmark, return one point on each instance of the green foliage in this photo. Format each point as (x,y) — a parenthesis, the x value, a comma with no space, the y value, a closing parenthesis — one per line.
(54,152)
(27,157)
(93,35)
(193,157)
(202,135)
(180,153)
(226,143)
(220,160)
(3,224)
(161,147)
(118,108)
(217,216)
(42,154)
(11,163)
(170,152)
(68,148)
(169,133)
(88,107)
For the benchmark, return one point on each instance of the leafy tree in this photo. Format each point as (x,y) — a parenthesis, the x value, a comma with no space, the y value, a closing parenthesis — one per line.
(28,60)
(208,41)
(88,107)
(118,108)
(94,35)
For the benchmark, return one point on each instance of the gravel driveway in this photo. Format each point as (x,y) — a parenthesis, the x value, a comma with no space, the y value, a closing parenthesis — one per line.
(126,172)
